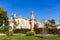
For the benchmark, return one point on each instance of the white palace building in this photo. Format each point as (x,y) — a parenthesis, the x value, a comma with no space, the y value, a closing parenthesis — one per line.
(18,22)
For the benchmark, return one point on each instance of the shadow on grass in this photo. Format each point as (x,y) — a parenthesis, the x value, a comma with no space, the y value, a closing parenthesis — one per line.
(40,36)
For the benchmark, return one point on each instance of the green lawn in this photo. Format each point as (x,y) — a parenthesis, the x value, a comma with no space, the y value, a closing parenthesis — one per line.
(20,37)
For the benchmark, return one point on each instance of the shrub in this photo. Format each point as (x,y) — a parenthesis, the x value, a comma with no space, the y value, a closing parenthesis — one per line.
(58,31)
(9,33)
(30,33)
(52,30)
(4,29)
(39,31)
(21,30)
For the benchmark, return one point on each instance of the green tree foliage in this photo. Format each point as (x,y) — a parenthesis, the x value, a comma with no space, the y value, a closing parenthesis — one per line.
(4,29)
(3,17)
(50,23)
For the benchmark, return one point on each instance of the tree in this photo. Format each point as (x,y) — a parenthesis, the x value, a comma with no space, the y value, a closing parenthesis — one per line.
(15,24)
(3,17)
(50,23)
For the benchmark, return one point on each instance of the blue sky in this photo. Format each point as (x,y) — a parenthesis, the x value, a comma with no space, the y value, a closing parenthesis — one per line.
(43,9)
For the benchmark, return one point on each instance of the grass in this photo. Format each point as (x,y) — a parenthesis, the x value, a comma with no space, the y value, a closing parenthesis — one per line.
(20,37)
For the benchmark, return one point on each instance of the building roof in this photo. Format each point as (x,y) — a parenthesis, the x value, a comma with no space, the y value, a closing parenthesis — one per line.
(21,17)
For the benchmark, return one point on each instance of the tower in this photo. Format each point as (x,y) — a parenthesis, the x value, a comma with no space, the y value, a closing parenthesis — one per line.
(32,17)
(32,21)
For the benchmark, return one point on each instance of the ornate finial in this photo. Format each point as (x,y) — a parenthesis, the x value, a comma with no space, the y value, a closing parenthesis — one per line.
(32,17)
(14,15)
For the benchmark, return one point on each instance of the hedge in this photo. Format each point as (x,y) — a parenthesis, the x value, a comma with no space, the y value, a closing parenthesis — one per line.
(21,30)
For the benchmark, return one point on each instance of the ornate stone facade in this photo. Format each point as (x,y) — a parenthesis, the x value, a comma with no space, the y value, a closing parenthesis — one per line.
(24,23)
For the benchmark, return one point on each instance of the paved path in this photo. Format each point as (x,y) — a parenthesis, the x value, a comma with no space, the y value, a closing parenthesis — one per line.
(2,34)
(46,34)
